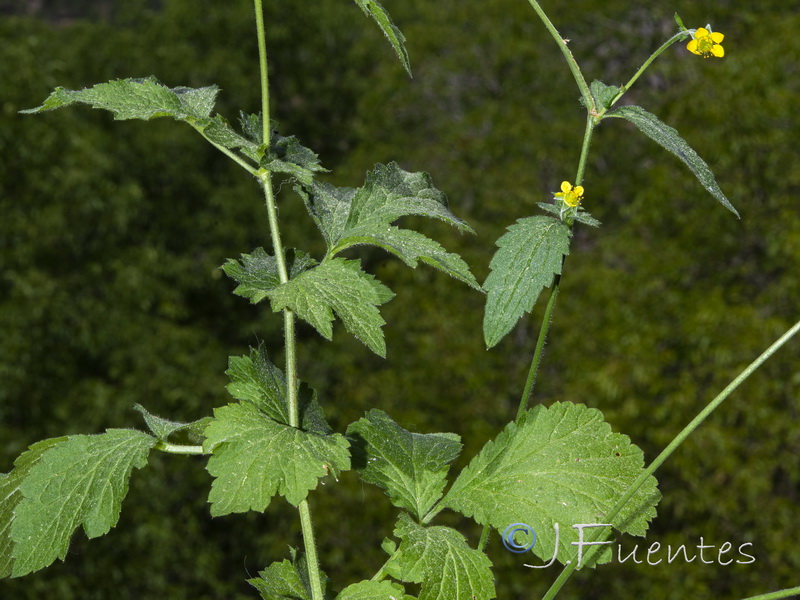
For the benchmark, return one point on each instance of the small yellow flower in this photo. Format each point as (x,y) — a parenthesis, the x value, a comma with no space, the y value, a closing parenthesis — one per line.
(706,43)
(571,196)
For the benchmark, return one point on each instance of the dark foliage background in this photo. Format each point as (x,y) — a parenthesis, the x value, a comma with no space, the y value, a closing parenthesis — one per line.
(112,233)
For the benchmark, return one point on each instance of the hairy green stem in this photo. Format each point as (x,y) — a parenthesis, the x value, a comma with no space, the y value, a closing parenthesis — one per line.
(232,155)
(591,123)
(265,177)
(787,593)
(673,445)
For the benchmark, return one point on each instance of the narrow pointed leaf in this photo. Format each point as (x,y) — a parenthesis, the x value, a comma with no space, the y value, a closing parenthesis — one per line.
(529,256)
(411,467)
(255,457)
(80,481)
(137,99)
(561,465)
(396,38)
(339,286)
(441,560)
(669,138)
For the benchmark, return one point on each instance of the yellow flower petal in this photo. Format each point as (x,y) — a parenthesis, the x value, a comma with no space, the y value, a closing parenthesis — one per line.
(701,32)
(717,37)
(579,191)
(692,47)
(566,186)
(718,51)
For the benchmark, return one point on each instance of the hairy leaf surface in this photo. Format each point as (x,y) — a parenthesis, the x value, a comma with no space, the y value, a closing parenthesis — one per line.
(374,590)
(257,273)
(669,138)
(80,481)
(396,38)
(255,457)
(162,428)
(411,467)
(441,560)
(281,581)
(559,465)
(529,255)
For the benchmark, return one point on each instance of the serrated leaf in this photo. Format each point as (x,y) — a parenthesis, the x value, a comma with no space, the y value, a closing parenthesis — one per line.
(339,286)
(374,590)
(562,465)
(396,38)
(255,457)
(80,481)
(281,581)
(257,273)
(288,155)
(581,216)
(603,94)
(348,217)
(145,98)
(410,467)
(256,380)
(11,496)
(530,254)
(219,131)
(163,428)
(441,560)
(669,139)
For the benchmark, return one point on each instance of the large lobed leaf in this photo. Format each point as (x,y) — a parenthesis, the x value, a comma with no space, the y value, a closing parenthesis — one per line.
(669,138)
(441,560)
(339,286)
(396,38)
(411,467)
(255,457)
(559,465)
(529,255)
(80,480)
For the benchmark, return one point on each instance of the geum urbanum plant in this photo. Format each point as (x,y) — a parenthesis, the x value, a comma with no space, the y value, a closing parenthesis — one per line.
(550,466)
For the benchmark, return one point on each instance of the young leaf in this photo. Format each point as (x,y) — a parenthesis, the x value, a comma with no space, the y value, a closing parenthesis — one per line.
(163,428)
(339,286)
(219,131)
(288,155)
(559,465)
(80,481)
(350,217)
(392,33)
(257,273)
(670,139)
(11,496)
(603,94)
(255,457)
(411,467)
(374,590)
(256,380)
(137,99)
(281,581)
(529,256)
(440,559)
(581,216)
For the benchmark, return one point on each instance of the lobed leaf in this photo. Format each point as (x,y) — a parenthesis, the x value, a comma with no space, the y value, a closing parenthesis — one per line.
(441,560)
(669,139)
(255,457)
(529,255)
(396,38)
(558,465)
(281,581)
(339,286)
(257,273)
(374,590)
(410,467)
(79,481)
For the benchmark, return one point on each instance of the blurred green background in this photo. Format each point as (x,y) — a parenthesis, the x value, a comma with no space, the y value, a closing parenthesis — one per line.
(111,235)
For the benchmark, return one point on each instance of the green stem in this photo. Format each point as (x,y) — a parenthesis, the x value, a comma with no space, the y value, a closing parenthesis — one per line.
(232,155)
(537,354)
(673,445)
(484,538)
(178,448)
(288,316)
(787,593)
(591,123)
(562,44)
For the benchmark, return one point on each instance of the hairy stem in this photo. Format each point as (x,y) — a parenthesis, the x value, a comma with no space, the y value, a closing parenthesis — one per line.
(787,593)
(673,445)
(178,448)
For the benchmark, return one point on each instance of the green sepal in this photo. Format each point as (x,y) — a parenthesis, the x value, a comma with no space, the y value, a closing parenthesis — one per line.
(581,216)
(396,38)
(669,139)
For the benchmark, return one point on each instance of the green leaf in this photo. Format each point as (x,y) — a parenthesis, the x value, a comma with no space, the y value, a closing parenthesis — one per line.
(137,99)
(255,457)
(559,465)
(392,33)
(339,286)
(11,496)
(288,155)
(441,560)
(411,467)
(80,481)
(281,581)
(581,216)
(163,428)
(670,139)
(374,590)
(219,131)
(603,94)
(257,273)
(530,254)
(348,217)
(256,380)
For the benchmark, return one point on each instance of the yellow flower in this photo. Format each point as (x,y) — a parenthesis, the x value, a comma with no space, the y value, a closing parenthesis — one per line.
(571,196)
(706,43)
